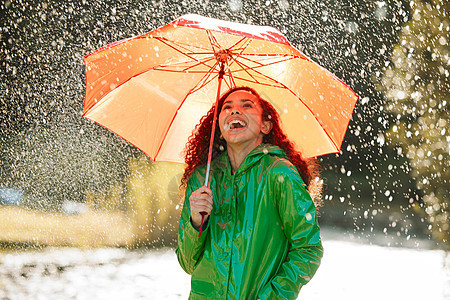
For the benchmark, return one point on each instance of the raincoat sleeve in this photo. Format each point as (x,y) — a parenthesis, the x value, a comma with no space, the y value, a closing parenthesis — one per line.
(298,218)
(190,245)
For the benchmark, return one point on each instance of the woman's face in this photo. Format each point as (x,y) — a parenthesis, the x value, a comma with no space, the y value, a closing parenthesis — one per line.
(240,120)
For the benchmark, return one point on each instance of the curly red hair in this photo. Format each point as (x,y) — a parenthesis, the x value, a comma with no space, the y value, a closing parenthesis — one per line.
(196,151)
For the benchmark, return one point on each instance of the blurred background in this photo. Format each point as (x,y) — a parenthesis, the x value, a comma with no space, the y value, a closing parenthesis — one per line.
(67,182)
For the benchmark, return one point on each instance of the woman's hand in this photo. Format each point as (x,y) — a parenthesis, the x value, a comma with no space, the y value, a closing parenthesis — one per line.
(201,201)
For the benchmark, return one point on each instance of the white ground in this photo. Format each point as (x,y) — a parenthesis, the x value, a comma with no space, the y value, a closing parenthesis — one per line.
(348,271)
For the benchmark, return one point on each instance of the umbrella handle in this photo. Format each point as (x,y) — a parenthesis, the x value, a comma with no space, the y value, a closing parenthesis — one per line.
(203,213)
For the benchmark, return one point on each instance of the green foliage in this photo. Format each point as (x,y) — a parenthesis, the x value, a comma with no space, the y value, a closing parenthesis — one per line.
(416,85)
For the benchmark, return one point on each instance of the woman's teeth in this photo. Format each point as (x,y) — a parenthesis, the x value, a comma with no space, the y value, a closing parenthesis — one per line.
(236,124)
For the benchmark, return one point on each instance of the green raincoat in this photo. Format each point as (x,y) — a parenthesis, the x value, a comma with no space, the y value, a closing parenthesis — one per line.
(261,240)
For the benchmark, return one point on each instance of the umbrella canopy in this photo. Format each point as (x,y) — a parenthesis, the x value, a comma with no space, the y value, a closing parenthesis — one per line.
(154,88)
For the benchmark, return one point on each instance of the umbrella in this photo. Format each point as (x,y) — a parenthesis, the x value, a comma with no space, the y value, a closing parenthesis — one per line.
(153,89)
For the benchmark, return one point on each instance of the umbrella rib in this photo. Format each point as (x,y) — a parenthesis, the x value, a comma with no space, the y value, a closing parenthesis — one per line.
(176,71)
(164,42)
(197,88)
(242,49)
(246,70)
(231,77)
(176,49)
(194,89)
(282,59)
(199,62)
(205,60)
(287,58)
(231,84)
(260,64)
(164,67)
(261,74)
(246,39)
(256,67)
(260,83)
(205,81)
(275,54)
(181,45)
(213,42)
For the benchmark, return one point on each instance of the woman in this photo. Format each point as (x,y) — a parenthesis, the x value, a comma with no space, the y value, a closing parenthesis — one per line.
(261,239)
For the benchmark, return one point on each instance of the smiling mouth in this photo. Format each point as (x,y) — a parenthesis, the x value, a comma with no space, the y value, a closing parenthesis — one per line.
(235,124)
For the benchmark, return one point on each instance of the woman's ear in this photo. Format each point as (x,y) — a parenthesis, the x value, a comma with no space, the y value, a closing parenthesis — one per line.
(266,127)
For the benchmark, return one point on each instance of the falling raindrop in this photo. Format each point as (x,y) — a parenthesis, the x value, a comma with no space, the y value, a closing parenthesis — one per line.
(235,5)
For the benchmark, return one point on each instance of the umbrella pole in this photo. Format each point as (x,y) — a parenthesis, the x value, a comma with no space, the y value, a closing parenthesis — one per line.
(211,141)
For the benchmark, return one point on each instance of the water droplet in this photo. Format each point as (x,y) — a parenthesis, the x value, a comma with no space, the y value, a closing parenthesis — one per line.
(308,216)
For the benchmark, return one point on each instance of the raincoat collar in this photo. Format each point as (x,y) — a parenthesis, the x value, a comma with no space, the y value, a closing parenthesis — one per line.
(223,161)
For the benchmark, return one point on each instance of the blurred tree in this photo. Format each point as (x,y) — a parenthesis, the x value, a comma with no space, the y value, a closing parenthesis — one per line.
(153,201)
(56,163)
(416,84)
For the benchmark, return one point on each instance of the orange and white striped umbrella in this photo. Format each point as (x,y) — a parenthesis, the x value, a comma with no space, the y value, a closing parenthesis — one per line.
(154,88)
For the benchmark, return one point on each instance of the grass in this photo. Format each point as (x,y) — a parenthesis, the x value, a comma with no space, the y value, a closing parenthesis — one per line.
(90,229)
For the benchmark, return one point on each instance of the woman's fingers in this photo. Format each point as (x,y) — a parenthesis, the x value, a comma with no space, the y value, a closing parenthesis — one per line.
(203,193)
(203,190)
(197,209)
(200,201)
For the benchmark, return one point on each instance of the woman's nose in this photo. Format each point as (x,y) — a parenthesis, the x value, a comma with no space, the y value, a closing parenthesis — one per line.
(235,111)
